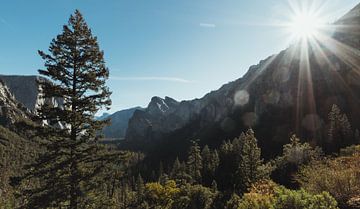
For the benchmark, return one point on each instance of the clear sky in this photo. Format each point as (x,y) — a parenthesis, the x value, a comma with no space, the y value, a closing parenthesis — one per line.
(178,48)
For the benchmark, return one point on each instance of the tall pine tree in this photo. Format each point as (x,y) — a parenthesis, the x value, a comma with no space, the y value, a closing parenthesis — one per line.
(194,162)
(210,162)
(67,172)
(251,167)
(340,133)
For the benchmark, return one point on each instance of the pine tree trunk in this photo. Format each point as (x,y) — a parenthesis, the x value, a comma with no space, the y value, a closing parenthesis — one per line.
(73,189)
(73,168)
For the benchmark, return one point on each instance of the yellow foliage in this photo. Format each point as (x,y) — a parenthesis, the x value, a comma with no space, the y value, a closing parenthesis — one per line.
(160,195)
(339,176)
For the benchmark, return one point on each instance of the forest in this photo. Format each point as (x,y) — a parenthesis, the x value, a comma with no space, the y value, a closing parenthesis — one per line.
(56,159)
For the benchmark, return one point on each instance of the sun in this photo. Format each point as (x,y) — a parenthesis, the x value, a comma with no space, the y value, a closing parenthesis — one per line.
(304,26)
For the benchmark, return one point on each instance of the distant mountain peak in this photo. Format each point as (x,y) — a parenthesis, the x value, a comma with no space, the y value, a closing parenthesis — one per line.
(159,105)
(118,123)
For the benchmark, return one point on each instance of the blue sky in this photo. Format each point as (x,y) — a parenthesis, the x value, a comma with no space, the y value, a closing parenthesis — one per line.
(177,48)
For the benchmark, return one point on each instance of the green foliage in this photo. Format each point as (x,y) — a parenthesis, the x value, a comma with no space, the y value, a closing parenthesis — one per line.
(195,196)
(234,202)
(15,152)
(300,153)
(340,132)
(229,163)
(171,196)
(350,151)
(241,164)
(210,162)
(251,168)
(67,172)
(295,154)
(159,196)
(194,162)
(267,195)
(176,168)
(179,172)
(288,199)
(339,177)
(236,169)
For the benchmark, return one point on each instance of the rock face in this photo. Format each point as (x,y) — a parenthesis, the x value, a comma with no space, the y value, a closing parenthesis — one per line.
(119,123)
(163,116)
(26,90)
(291,92)
(166,115)
(10,109)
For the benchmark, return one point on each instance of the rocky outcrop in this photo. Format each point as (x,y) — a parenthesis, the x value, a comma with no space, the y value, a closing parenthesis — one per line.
(27,91)
(10,110)
(291,92)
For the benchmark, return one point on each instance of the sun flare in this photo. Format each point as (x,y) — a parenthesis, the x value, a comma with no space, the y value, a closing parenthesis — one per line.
(305,26)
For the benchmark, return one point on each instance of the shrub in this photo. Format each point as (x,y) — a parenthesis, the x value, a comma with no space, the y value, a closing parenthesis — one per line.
(268,195)
(339,176)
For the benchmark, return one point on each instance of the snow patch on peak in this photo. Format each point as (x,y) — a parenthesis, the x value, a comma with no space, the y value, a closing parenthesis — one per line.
(162,106)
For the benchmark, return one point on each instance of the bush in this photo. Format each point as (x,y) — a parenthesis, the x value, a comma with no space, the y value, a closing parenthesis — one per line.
(350,151)
(340,177)
(295,154)
(195,196)
(159,196)
(268,195)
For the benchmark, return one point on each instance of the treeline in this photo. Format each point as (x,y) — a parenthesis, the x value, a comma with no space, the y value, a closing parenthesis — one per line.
(235,176)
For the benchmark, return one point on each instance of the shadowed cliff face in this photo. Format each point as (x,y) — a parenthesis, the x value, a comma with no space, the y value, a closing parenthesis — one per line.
(118,123)
(291,92)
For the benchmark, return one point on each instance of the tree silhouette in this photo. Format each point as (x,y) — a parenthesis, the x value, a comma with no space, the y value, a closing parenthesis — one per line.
(68,169)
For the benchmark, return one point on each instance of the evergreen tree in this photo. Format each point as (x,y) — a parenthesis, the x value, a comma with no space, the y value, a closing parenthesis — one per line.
(161,170)
(227,166)
(210,162)
(215,161)
(251,168)
(207,171)
(179,172)
(140,183)
(140,187)
(295,155)
(194,163)
(67,172)
(340,133)
(176,169)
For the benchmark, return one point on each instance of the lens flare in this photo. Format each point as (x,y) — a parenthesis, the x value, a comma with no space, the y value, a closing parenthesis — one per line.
(305,26)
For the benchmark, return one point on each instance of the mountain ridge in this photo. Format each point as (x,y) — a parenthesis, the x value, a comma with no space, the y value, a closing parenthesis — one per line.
(285,93)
